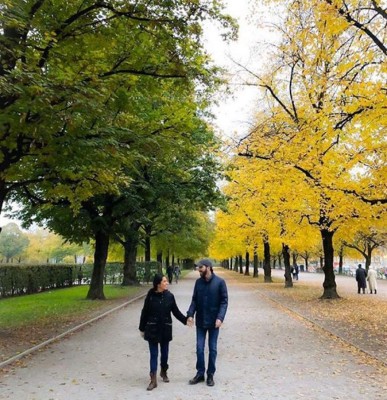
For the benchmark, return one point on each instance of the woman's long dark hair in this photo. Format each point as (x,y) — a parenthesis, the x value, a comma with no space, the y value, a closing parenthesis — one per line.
(157,280)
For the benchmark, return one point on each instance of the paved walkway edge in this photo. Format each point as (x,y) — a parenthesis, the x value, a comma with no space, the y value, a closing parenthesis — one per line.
(74,329)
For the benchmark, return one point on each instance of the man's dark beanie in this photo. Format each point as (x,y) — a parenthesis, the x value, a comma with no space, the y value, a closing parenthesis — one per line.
(206,262)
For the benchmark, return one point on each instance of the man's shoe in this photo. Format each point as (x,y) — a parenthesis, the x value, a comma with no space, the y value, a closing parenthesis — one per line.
(210,380)
(196,379)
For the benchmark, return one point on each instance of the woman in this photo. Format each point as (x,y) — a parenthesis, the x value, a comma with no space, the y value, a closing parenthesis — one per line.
(371,278)
(156,325)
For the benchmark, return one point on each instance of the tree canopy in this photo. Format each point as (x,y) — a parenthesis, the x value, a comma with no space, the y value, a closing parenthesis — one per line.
(99,98)
(317,153)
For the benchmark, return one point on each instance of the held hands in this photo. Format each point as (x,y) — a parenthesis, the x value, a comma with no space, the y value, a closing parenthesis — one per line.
(218,323)
(190,322)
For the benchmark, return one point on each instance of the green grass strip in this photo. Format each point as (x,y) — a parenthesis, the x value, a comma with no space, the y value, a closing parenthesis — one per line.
(20,311)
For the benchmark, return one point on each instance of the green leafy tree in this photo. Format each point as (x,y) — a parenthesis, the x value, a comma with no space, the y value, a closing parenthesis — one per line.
(96,93)
(13,242)
(65,80)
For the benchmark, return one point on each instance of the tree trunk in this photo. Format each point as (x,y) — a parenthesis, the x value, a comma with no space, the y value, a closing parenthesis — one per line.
(240,264)
(167,264)
(247,271)
(236,264)
(255,264)
(130,247)
(306,259)
(266,261)
(341,256)
(3,195)
(279,261)
(286,257)
(230,264)
(159,258)
(368,257)
(130,272)
(148,231)
(100,256)
(294,256)
(329,281)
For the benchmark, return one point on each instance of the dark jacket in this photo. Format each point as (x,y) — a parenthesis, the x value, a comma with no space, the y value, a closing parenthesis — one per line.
(209,301)
(361,275)
(156,320)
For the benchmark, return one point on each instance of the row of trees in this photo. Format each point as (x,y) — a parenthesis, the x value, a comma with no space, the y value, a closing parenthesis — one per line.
(104,123)
(39,246)
(315,161)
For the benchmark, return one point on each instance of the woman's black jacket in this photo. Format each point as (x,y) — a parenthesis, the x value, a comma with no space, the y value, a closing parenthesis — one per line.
(156,320)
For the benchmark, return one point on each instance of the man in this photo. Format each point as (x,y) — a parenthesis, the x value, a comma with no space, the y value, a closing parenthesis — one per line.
(361,275)
(209,302)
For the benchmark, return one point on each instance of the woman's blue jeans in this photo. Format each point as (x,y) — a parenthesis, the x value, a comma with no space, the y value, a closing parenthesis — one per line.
(213,334)
(154,354)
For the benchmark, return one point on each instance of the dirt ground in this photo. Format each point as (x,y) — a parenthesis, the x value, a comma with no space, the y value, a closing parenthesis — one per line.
(266,350)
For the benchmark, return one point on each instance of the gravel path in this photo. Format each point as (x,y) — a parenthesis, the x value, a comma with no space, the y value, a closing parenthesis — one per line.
(265,351)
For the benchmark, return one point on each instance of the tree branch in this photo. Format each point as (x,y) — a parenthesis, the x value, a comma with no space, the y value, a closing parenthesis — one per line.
(361,26)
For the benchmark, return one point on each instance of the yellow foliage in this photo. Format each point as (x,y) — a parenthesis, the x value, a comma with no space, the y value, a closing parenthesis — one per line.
(316,158)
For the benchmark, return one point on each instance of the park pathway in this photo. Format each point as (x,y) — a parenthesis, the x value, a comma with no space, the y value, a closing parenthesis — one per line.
(265,352)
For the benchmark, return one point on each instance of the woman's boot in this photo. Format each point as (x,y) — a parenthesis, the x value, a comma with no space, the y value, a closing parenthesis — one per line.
(153,382)
(163,374)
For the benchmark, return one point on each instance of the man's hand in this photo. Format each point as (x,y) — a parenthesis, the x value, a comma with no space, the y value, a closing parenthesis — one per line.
(142,334)
(190,322)
(218,323)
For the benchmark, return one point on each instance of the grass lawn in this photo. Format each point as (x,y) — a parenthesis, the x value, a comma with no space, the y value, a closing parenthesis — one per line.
(17,312)
(31,319)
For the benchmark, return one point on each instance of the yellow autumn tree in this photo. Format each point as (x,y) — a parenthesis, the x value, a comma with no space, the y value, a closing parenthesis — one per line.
(324,121)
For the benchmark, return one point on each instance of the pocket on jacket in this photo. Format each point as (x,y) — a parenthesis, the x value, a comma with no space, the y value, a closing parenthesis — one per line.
(167,334)
(151,332)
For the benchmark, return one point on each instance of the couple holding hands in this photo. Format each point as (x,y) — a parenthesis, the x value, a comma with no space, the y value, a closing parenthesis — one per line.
(208,305)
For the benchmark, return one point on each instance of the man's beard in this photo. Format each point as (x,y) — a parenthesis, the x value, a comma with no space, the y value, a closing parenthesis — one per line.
(203,273)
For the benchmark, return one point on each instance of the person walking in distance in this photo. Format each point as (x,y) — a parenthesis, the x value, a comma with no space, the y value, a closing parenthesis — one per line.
(209,306)
(361,275)
(371,278)
(156,325)
(170,273)
(176,273)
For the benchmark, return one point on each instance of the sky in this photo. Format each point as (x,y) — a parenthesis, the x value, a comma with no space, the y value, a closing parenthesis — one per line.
(234,112)
(234,115)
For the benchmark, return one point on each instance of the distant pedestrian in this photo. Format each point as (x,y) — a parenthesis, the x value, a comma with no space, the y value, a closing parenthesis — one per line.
(209,306)
(371,278)
(361,275)
(170,273)
(176,273)
(156,325)
(296,270)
